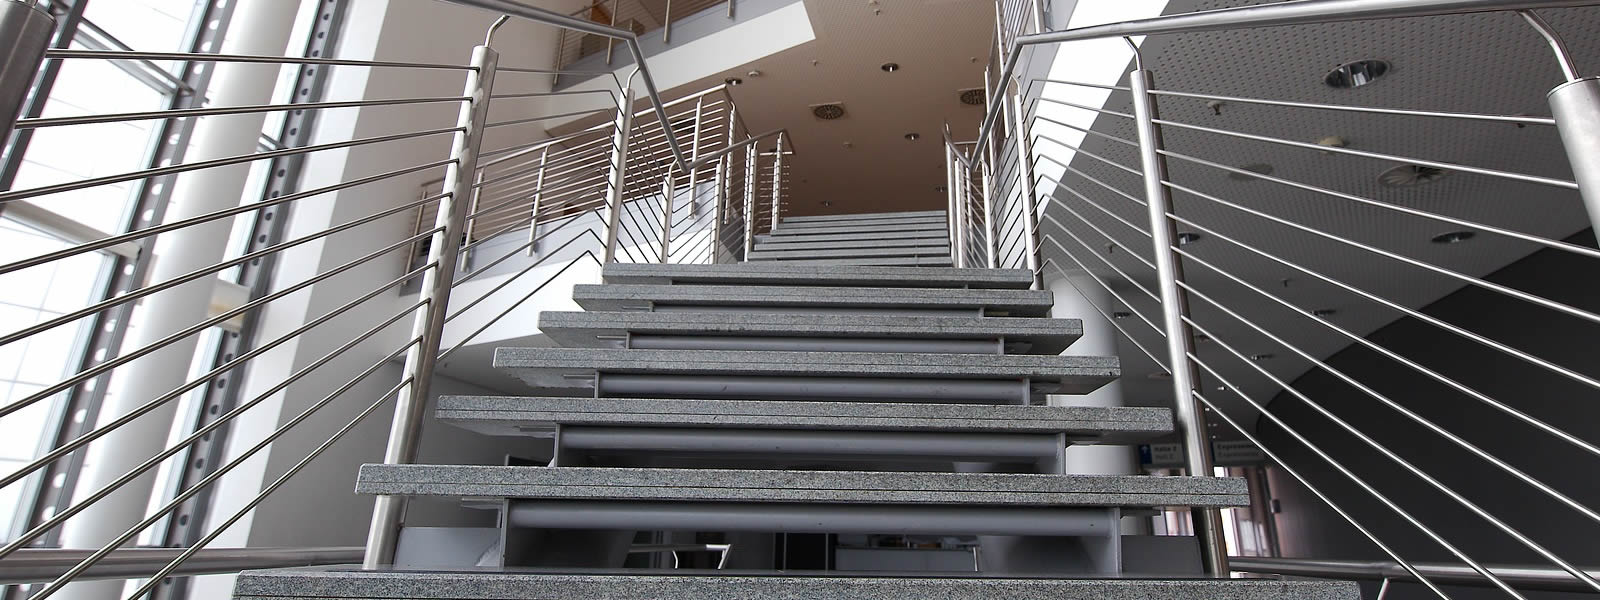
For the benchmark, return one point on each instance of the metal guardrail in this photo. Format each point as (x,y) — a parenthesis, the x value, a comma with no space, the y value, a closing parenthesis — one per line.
(998,214)
(1522,577)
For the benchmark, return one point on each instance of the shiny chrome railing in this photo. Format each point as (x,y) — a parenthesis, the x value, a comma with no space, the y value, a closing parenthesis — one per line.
(1100,214)
(657,182)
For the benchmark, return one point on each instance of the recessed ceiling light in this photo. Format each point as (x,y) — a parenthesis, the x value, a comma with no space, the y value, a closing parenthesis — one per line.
(890,67)
(1121,314)
(1258,168)
(972,96)
(733,81)
(1409,175)
(1454,237)
(941,189)
(828,112)
(1356,74)
(1189,237)
(753,73)
(1324,312)
(913,136)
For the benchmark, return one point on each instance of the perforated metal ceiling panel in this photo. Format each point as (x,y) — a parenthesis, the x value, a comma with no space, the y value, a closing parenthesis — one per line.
(1490,63)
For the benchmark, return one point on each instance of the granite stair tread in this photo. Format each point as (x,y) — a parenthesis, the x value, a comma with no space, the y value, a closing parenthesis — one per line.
(808,244)
(885,261)
(352,583)
(798,275)
(862,217)
(614,297)
(848,237)
(793,486)
(604,329)
(522,415)
(783,231)
(556,368)
(890,251)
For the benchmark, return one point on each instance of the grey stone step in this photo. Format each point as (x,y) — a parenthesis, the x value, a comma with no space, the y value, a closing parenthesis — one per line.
(789,274)
(971,377)
(518,415)
(862,216)
(824,226)
(789,486)
(892,261)
(891,251)
(612,297)
(605,329)
(802,244)
(843,237)
(352,583)
(872,228)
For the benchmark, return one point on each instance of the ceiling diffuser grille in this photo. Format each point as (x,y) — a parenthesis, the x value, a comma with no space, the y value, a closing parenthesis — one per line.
(828,112)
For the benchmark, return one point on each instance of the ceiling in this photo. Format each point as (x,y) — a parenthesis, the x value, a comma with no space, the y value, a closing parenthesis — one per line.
(1489,63)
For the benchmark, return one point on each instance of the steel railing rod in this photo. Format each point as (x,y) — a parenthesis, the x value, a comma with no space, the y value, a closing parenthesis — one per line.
(1514,176)
(1102,209)
(1147,291)
(1421,316)
(609,94)
(176,281)
(1436,376)
(547,117)
(1104,111)
(485,327)
(1111,317)
(480,270)
(512,279)
(156,578)
(220,162)
(1516,119)
(97,433)
(1485,284)
(242,58)
(1557,244)
(226,110)
(35,565)
(79,506)
(1114,293)
(1108,187)
(1529,577)
(1119,88)
(1401,512)
(205,218)
(1129,143)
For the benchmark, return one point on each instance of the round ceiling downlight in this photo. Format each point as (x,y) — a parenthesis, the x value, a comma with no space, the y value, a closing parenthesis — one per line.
(1410,175)
(1356,74)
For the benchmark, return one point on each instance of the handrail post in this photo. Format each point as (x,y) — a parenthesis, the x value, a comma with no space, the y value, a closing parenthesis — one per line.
(1030,195)
(30,28)
(752,156)
(428,327)
(777,183)
(1175,309)
(986,187)
(619,169)
(1576,108)
(666,214)
(950,203)
(721,209)
(538,198)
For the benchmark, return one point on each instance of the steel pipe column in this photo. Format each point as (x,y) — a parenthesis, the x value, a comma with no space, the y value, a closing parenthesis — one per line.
(619,169)
(412,399)
(1174,309)
(24,36)
(1576,108)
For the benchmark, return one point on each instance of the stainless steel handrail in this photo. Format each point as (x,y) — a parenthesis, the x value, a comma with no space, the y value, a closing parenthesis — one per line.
(1266,15)
(549,17)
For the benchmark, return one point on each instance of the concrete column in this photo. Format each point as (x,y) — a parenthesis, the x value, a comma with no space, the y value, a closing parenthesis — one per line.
(260,27)
(1076,299)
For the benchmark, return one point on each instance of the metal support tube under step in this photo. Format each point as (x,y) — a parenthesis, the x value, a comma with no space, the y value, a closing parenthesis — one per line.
(813,518)
(976,447)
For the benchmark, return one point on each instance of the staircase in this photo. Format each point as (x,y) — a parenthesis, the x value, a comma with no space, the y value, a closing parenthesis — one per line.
(918,239)
(813,390)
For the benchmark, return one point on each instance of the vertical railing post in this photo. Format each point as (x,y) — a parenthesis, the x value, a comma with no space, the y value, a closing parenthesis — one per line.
(777,183)
(752,156)
(1030,194)
(428,325)
(1576,108)
(991,211)
(694,155)
(666,211)
(718,217)
(538,198)
(619,168)
(666,29)
(950,203)
(28,29)
(1175,309)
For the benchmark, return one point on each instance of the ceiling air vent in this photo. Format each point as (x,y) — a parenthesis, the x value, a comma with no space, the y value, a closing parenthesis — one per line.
(1410,175)
(829,111)
(972,97)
